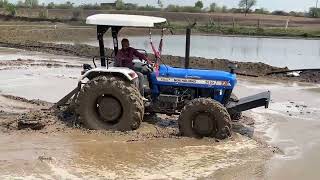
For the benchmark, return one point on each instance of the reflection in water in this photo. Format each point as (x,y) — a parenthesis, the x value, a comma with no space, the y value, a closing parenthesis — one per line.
(293,53)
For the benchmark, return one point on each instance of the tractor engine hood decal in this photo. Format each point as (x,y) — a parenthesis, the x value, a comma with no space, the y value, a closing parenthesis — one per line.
(194,81)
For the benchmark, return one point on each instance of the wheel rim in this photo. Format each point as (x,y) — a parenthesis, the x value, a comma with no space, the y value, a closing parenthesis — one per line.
(203,124)
(109,109)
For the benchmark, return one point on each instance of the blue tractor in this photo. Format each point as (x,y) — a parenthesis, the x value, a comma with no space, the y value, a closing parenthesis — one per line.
(108,97)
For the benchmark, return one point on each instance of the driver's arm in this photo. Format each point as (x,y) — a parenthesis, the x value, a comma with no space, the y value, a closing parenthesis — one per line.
(141,56)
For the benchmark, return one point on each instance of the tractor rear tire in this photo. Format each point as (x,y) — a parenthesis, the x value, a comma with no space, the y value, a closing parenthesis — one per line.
(110,103)
(235,115)
(204,117)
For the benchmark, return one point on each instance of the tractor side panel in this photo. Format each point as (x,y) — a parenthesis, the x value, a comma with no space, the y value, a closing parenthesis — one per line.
(217,81)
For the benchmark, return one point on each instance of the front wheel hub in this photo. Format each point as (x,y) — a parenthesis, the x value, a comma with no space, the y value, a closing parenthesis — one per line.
(109,108)
(203,124)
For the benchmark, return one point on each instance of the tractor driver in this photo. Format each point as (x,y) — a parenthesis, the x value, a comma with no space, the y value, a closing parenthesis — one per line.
(125,57)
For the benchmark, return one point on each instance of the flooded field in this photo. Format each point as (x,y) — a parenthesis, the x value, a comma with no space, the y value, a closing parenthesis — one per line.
(292,123)
(291,53)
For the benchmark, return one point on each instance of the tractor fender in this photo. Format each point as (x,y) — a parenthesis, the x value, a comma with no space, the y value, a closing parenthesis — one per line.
(124,72)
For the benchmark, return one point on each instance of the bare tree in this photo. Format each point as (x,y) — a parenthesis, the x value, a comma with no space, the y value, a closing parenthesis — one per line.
(247,5)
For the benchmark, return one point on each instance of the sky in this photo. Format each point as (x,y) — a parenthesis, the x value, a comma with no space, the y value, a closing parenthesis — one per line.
(287,5)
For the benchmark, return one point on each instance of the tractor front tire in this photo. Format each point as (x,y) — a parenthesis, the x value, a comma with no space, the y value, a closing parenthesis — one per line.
(110,103)
(204,117)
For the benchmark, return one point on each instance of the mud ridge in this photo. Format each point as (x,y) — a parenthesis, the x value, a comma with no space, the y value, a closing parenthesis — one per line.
(14,64)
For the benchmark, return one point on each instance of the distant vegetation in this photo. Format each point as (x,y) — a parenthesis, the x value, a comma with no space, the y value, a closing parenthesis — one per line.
(245,6)
(215,24)
(9,7)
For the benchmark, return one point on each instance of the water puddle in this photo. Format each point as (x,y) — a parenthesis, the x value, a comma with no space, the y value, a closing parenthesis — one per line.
(91,156)
(48,84)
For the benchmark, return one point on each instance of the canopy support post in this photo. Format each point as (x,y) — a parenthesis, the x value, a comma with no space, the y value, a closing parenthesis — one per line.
(101,30)
(188,39)
(187,55)
(115,30)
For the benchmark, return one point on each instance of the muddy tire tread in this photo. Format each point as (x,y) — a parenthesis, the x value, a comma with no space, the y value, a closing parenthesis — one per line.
(130,95)
(204,104)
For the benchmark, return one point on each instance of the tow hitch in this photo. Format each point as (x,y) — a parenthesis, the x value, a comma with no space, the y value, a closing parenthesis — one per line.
(251,102)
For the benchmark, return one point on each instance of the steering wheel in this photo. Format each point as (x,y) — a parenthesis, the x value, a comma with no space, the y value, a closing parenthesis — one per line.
(149,67)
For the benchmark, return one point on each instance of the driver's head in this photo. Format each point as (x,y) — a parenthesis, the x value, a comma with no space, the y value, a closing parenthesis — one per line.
(125,43)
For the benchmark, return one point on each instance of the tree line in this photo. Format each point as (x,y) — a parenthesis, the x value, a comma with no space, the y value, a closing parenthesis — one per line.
(244,6)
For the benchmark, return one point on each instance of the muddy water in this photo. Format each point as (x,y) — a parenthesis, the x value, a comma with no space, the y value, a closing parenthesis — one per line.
(292,123)
(49,83)
(91,156)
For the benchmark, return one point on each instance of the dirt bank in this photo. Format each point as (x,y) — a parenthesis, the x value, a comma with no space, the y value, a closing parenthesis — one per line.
(244,68)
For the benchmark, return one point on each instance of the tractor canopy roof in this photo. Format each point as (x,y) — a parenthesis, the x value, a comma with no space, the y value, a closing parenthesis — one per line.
(124,20)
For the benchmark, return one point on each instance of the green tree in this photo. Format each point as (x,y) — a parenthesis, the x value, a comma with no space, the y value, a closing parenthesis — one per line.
(120,5)
(213,7)
(246,5)
(51,5)
(31,3)
(11,9)
(198,4)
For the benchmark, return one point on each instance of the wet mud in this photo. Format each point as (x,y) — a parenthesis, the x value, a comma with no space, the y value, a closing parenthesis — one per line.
(42,116)
(154,151)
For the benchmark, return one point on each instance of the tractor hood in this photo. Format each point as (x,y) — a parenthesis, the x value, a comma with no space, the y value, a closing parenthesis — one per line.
(196,76)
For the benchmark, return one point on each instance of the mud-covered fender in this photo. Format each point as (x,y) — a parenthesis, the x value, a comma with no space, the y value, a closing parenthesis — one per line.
(124,72)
